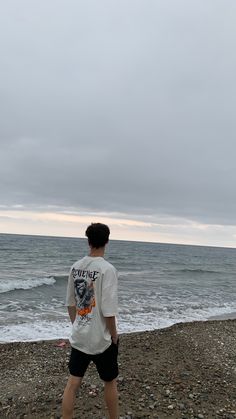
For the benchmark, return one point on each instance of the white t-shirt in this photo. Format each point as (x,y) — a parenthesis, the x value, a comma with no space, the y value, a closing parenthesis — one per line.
(92,288)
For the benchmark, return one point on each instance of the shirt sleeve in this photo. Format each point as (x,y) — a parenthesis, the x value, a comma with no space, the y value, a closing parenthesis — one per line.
(70,295)
(109,301)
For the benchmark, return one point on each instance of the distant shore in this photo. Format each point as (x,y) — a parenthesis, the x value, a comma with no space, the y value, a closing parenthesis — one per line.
(185,371)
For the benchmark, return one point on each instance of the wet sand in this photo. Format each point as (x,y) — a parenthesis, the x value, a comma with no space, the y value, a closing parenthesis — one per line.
(185,371)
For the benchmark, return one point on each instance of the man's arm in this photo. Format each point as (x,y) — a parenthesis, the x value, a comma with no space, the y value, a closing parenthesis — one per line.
(111,325)
(72,313)
(70,298)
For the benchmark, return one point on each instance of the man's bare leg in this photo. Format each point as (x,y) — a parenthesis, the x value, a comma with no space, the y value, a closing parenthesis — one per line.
(69,395)
(111,398)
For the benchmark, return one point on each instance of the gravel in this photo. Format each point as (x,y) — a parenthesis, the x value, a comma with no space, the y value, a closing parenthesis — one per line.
(185,371)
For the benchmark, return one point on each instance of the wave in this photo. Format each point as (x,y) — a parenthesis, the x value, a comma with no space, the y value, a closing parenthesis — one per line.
(26,284)
(138,272)
(35,331)
(60,277)
(198,271)
(128,323)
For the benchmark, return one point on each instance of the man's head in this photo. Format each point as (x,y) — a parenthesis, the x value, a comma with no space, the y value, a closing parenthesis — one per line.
(98,235)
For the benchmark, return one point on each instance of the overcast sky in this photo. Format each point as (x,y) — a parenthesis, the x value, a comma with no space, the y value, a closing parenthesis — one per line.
(120,111)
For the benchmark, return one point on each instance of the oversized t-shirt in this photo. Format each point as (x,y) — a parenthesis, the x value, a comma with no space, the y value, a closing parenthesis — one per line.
(92,288)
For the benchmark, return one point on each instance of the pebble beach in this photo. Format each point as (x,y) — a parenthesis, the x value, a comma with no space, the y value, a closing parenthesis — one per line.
(185,371)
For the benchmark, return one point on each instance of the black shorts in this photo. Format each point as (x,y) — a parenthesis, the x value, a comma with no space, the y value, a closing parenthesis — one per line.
(106,363)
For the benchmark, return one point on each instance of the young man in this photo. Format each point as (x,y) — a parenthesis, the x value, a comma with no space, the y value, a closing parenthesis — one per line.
(92,306)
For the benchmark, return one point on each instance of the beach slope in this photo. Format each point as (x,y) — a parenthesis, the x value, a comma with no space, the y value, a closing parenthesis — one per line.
(185,371)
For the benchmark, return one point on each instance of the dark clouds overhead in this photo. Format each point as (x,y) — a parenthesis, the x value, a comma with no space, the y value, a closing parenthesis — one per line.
(119,106)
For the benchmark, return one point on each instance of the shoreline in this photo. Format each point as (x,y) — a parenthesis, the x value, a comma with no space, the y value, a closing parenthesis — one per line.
(186,370)
(219,317)
(228,316)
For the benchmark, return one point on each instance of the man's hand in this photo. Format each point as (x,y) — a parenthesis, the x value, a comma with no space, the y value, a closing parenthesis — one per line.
(115,339)
(111,325)
(72,313)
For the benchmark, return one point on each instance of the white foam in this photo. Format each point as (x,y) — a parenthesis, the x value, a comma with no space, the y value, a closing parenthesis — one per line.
(34,331)
(142,320)
(127,323)
(25,284)
(137,273)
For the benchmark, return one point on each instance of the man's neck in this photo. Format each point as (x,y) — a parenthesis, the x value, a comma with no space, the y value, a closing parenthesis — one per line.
(97,252)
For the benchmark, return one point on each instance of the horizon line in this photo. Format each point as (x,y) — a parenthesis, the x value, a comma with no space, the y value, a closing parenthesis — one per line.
(120,240)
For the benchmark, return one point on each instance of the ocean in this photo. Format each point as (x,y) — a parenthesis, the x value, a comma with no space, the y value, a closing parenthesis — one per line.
(159,284)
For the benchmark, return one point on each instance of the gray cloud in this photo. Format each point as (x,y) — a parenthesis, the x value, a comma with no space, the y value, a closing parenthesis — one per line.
(125,106)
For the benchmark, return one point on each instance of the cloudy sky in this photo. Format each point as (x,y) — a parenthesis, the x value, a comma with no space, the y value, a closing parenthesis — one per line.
(121,112)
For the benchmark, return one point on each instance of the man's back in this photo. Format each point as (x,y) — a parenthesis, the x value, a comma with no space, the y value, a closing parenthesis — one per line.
(92,287)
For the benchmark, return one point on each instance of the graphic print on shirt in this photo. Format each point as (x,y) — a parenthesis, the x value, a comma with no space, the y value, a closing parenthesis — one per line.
(84,293)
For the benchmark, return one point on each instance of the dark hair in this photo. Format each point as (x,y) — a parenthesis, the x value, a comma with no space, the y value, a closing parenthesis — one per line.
(98,235)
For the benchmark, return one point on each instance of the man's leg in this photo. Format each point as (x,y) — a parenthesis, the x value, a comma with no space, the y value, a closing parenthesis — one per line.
(69,395)
(111,398)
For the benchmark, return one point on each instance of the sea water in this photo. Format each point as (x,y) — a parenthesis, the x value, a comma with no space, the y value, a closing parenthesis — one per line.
(159,284)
